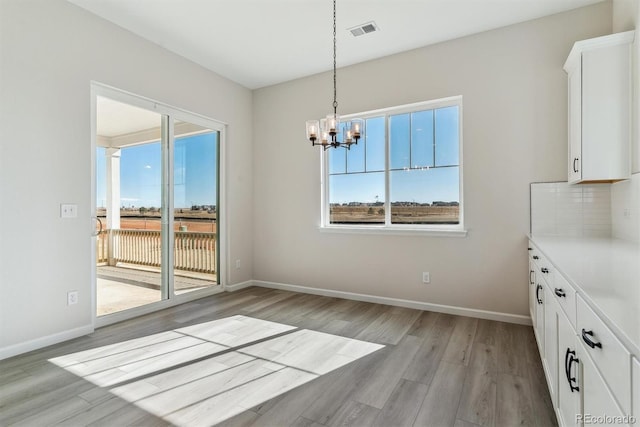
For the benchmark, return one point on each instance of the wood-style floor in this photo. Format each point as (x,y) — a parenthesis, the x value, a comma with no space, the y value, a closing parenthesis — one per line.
(430,369)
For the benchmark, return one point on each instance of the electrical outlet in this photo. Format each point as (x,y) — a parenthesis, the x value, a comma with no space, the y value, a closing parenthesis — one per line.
(72,297)
(68,210)
(627,213)
(237,264)
(426,277)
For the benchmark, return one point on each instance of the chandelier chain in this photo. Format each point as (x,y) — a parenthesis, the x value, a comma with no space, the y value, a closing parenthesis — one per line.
(335,93)
(326,132)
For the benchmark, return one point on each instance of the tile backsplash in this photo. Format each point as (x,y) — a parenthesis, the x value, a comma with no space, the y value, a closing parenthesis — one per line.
(560,209)
(625,209)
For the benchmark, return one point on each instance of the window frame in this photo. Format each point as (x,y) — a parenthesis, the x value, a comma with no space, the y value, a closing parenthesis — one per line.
(453,230)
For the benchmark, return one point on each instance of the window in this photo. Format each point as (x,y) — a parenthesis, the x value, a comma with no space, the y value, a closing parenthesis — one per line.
(405,173)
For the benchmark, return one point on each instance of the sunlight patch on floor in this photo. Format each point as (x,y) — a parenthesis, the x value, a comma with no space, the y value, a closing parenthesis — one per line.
(209,372)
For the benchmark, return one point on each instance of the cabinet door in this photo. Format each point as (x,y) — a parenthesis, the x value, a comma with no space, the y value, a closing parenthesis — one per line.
(538,326)
(532,291)
(569,381)
(599,405)
(606,100)
(575,125)
(551,309)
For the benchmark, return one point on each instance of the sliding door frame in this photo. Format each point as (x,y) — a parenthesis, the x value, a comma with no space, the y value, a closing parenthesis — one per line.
(169,116)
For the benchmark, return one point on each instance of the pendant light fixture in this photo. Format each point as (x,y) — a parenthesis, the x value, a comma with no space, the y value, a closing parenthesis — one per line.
(325,132)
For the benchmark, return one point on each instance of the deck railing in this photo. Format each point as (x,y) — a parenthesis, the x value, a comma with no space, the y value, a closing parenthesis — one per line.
(192,251)
(102,249)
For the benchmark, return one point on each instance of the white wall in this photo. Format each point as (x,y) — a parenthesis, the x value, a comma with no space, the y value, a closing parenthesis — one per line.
(50,51)
(515,133)
(626,16)
(625,195)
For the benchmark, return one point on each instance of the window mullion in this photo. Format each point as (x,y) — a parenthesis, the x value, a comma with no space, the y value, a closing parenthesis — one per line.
(410,140)
(387,166)
(433,112)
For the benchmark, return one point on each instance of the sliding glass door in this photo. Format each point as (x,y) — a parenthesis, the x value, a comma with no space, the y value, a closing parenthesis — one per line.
(195,207)
(157,205)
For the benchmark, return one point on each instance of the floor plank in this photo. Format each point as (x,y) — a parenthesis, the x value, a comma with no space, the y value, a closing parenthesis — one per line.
(403,405)
(353,414)
(514,401)
(390,326)
(478,398)
(441,402)
(423,325)
(378,386)
(541,400)
(427,359)
(512,357)
(458,349)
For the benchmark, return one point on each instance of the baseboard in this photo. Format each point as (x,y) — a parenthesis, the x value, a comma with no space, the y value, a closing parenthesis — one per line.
(25,347)
(439,308)
(238,286)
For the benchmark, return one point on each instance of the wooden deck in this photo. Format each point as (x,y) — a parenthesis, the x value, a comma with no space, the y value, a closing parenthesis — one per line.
(120,288)
(315,361)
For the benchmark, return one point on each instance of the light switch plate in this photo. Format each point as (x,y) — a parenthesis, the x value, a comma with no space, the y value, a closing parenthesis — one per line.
(68,210)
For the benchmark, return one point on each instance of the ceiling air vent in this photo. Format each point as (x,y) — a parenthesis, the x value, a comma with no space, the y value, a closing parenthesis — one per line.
(359,30)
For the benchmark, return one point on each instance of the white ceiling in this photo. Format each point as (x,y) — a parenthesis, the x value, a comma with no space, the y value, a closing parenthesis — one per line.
(263,42)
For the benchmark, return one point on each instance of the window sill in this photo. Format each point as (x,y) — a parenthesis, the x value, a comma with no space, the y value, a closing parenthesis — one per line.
(400,231)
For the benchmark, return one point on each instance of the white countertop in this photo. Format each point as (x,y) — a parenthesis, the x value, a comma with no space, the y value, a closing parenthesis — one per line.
(606,274)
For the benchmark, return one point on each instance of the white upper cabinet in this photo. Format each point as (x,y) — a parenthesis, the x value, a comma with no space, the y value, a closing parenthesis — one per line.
(600,90)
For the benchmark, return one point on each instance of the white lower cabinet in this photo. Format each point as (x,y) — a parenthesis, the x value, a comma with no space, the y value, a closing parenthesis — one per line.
(569,382)
(532,289)
(539,321)
(592,377)
(550,361)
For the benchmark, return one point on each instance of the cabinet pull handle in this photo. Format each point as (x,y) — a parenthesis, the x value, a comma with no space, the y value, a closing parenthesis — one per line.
(536,257)
(575,168)
(587,340)
(529,249)
(531,276)
(538,288)
(559,292)
(570,359)
(544,270)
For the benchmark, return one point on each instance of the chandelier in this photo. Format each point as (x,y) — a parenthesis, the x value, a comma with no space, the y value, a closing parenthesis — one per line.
(325,132)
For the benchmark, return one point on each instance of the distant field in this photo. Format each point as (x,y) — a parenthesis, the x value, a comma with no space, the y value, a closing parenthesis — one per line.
(154,224)
(399,214)
(197,221)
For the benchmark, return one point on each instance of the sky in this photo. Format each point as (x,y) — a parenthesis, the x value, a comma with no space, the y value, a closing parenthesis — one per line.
(421,171)
(195,163)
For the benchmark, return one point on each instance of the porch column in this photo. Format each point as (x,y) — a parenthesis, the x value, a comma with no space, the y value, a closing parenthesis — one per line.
(113,196)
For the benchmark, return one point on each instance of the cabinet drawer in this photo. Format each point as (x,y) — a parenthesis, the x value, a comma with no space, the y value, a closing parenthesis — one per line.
(608,354)
(566,297)
(534,254)
(543,268)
